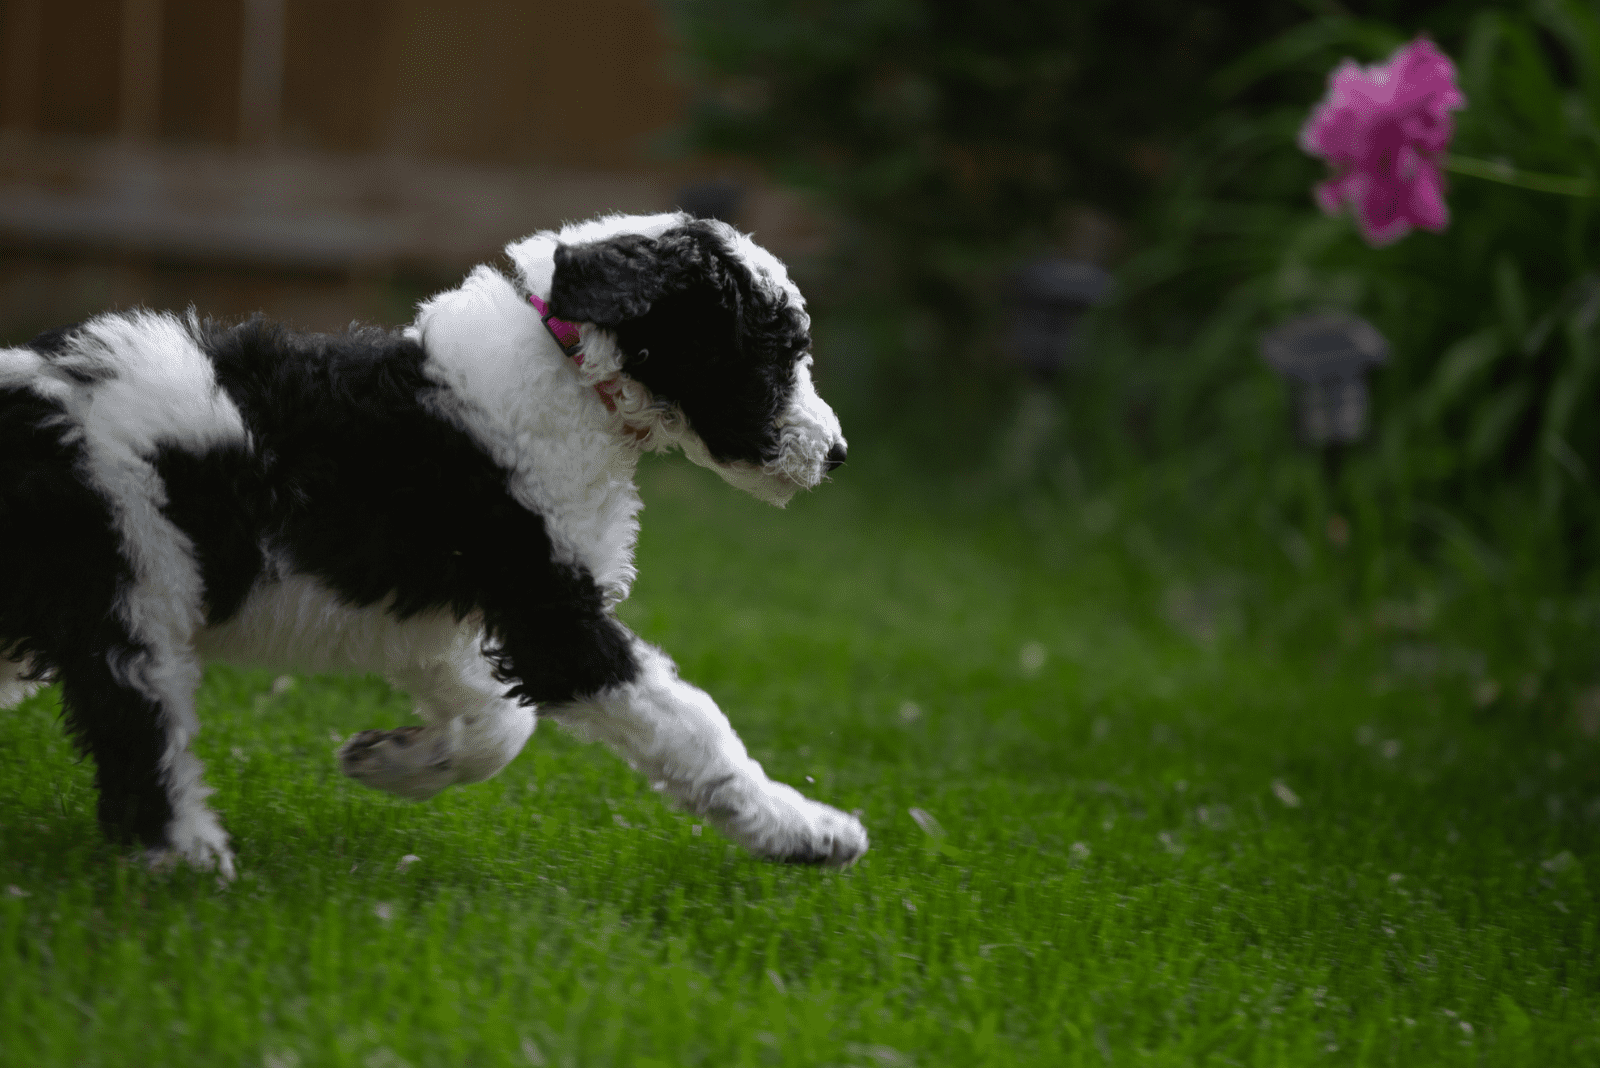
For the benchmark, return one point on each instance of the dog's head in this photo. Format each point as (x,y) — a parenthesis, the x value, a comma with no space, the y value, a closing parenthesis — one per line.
(710,326)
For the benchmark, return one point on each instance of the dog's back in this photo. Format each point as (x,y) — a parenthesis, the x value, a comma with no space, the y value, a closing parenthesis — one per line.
(136,446)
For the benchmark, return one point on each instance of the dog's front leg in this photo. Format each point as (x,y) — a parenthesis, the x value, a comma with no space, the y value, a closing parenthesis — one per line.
(674,733)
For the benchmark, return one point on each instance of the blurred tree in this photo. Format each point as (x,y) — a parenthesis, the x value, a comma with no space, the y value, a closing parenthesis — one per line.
(950,131)
(955,137)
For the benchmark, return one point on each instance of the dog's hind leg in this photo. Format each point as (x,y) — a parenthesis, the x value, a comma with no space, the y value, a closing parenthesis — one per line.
(471,730)
(119,645)
(104,590)
(119,707)
(675,734)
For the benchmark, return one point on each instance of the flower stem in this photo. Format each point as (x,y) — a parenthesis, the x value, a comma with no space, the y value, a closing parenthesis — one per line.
(1506,174)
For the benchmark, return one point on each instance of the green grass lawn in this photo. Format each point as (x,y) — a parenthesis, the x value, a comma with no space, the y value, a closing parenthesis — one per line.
(1150,829)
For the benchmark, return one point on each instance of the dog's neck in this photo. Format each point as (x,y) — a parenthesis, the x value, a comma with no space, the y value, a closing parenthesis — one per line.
(645,426)
(569,337)
(648,431)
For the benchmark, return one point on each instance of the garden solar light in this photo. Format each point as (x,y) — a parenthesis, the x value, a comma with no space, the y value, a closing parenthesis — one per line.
(1325,359)
(1046,299)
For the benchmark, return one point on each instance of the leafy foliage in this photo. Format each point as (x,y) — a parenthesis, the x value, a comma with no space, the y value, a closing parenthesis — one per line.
(956,140)
(949,134)
(1493,322)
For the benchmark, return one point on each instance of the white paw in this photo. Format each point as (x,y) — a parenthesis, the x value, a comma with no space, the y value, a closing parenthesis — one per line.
(778,822)
(200,853)
(404,761)
(13,690)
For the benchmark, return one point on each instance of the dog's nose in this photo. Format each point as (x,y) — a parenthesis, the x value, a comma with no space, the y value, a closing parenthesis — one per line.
(835,456)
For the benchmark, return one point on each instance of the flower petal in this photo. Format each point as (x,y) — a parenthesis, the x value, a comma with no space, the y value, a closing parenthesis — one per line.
(1382,128)
(1427,206)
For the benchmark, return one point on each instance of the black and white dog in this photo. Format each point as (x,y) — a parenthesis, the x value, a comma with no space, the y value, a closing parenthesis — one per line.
(451,505)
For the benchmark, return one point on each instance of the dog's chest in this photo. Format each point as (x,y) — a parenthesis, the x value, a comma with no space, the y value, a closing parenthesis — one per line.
(508,387)
(590,514)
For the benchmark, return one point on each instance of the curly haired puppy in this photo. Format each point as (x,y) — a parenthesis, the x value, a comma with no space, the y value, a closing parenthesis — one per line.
(451,505)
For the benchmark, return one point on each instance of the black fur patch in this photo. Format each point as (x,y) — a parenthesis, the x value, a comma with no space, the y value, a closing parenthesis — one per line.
(356,480)
(695,327)
(123,731)
(215,499)
(56,343)
(58,605)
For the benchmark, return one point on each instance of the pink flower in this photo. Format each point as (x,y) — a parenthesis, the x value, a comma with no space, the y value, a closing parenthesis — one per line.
(1382,129)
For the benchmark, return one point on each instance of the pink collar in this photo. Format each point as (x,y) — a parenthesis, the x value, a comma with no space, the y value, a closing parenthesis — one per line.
(568,337)
(565,333)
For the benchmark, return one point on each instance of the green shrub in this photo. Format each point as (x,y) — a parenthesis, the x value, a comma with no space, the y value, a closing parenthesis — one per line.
(1486,412)
(955,140)
(953,134)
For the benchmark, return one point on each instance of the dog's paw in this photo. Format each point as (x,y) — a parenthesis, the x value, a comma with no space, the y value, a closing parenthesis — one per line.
(404,761)
(202,853)
(14,691)
(836,839)
(787,826)
(13,688)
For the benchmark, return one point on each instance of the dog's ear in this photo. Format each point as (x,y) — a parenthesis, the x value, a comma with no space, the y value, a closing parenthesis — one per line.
(612,281)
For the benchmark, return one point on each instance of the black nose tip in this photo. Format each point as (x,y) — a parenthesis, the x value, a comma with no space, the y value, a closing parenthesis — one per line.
(835,456)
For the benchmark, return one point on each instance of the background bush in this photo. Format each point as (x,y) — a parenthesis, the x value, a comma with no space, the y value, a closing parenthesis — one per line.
(953,133)
(954,140)
(1486,423)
